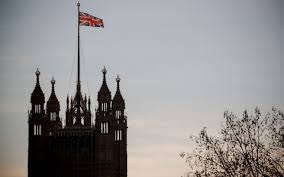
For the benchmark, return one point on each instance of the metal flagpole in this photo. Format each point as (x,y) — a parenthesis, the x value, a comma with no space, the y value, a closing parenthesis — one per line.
(78,99)
(78,4)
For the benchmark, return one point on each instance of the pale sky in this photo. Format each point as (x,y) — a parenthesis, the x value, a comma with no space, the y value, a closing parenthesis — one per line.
(182,64)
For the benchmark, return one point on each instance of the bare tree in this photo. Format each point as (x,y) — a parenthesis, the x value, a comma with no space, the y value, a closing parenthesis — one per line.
(250,146)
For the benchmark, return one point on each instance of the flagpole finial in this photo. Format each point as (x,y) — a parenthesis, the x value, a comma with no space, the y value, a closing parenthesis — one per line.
(78,4)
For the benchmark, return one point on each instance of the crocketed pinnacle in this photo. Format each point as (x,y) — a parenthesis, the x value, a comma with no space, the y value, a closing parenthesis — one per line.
(53,103)
(37,96)
(118,101)
(104,94)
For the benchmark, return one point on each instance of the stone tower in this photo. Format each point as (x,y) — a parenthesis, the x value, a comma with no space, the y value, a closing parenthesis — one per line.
(83,147)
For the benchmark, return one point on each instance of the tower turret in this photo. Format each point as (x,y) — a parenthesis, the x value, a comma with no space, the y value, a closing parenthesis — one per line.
(104,95)
(120,132)
(37,115)
(118,104)
(53,103)
(52,109)
(37,97)
(37,124)
(104,131)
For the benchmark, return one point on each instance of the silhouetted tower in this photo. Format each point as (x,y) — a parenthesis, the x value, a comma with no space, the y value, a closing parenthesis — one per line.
(37,140)
(120,133)
(104,95)
(111,133)
(104,140)
(78,149)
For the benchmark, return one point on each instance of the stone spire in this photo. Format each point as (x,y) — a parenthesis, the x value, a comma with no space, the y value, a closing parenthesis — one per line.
(37,95)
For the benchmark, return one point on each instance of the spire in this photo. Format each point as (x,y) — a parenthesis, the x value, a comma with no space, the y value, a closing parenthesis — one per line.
(78,79)
(37,95)
(53,103)
(104,94)
(118,101)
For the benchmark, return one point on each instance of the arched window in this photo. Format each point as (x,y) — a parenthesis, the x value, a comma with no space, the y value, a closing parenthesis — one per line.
(37,130)
(37,109)
(118,135)
(104,106)
(117,114)
(104,128)
(35,127)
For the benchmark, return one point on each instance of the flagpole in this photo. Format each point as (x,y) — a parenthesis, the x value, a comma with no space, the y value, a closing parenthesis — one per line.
(78,4)
(78,94)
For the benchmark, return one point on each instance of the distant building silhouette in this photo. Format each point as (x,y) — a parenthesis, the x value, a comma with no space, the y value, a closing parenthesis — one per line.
(82,147)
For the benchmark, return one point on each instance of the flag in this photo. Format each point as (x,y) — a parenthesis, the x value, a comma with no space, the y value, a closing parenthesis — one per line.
(89,20)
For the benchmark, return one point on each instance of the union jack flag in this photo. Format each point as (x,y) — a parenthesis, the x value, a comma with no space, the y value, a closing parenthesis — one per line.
(89,20)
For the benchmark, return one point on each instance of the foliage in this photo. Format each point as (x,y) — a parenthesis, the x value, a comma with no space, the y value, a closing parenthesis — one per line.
(250,146)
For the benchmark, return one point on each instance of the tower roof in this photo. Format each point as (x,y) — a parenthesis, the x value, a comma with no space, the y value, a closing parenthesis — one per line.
(53,103)
(118,101)
(104,94)
(37,95)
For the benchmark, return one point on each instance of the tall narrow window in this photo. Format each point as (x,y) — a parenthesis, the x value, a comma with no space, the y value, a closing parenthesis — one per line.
(35,129)
(37,109)
(105,106)
(118,135)
(104,127)
(53,116)
(117,114)
(39,130)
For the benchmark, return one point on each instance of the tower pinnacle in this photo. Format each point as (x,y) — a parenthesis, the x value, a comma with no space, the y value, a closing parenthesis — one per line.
(53,103)
(118,101)
(37,95)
